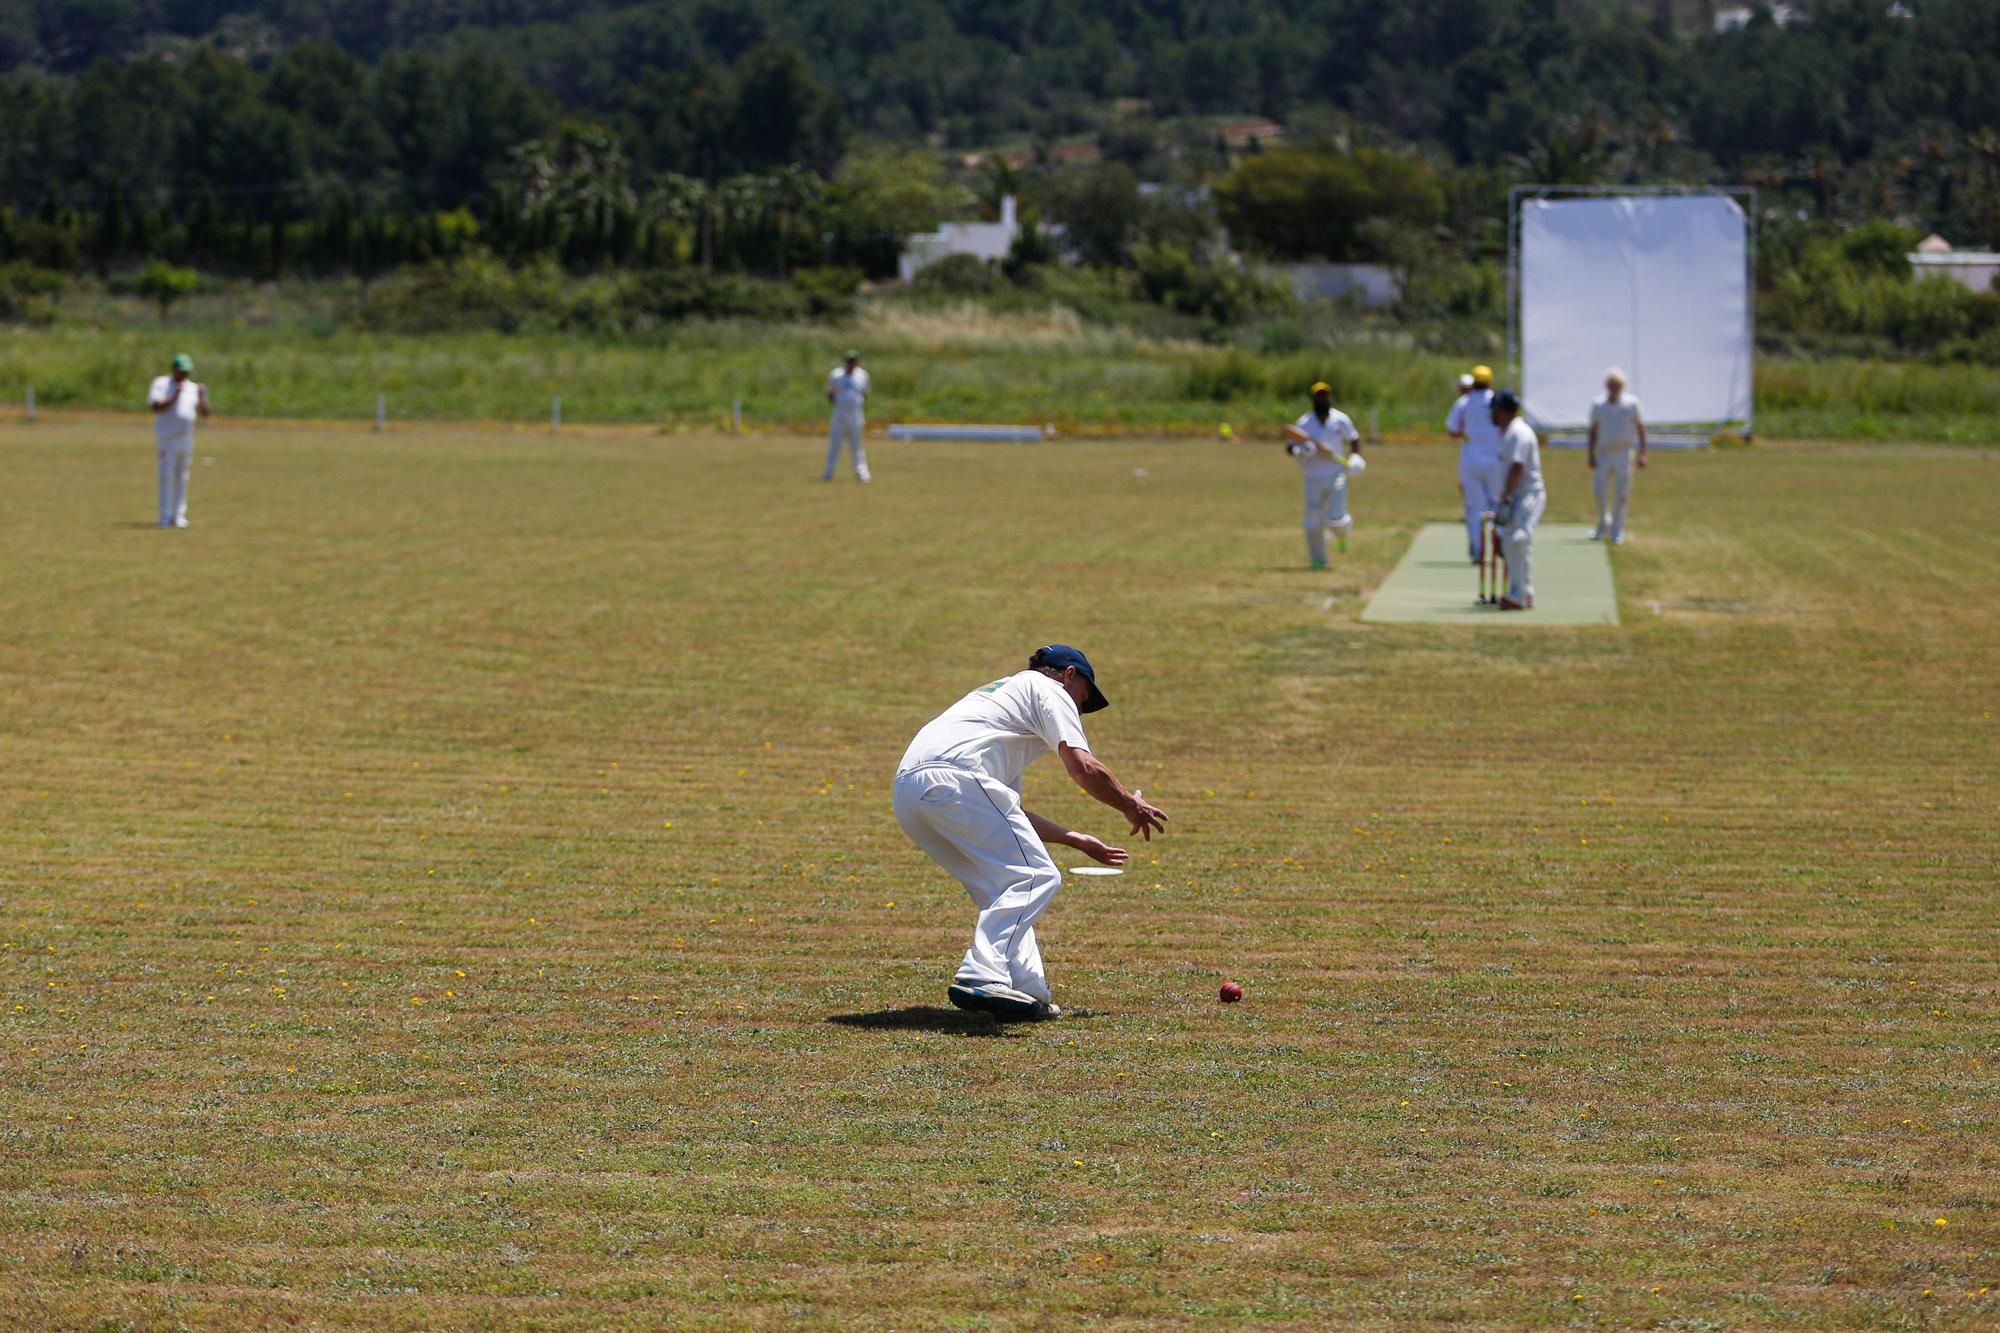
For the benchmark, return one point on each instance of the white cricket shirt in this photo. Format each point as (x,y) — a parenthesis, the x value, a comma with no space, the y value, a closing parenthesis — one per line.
(1000,729)
(1519,445)
(1472,417)
(1617,423)
(177,422)
(1336,433)
(849,390)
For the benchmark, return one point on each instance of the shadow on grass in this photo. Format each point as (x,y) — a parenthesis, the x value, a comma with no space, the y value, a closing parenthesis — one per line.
(926,1018)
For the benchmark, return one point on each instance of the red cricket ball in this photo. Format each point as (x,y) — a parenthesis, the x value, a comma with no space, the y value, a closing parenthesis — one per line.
(1231,992)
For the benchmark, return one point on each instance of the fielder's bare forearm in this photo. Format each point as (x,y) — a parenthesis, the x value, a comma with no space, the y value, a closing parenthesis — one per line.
(1087,771)
(1050,831)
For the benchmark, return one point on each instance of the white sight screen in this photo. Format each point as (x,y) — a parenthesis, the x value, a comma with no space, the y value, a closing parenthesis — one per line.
(1657,286)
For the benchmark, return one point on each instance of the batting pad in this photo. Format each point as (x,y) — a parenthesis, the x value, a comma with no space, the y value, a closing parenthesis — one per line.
(1435,584)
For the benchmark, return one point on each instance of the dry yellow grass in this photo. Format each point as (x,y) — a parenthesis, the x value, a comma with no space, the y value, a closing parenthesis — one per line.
(452,885)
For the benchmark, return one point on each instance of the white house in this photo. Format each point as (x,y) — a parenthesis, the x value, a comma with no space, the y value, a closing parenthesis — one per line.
(1739,16)
(989,241)
(1934,258)
(1369,285)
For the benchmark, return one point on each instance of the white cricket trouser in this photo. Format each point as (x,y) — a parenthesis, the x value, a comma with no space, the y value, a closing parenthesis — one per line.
(1480,476)
(1611,481)
(1326,507)
(1517,543)
(176,460)
(972,825)
(846,428)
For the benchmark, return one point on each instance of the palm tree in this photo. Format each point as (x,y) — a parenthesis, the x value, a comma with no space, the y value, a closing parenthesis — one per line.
(1985,142)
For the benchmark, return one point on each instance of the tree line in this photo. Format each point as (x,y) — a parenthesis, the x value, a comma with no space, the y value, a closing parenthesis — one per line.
(768,136)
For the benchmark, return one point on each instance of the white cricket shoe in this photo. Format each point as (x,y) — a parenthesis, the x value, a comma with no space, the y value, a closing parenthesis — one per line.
(994,998)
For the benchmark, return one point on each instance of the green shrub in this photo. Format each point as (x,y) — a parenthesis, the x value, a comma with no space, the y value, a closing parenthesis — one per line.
(1878,246)
(28,294)
(1215,292)
(958,275)
(669,295)
(475,292)
(1230,377)
(165,283)
(829,292)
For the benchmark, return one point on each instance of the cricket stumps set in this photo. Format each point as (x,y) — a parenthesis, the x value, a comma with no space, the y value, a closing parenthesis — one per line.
(1492,562)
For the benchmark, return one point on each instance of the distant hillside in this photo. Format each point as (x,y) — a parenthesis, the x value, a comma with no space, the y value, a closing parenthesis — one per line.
(1474,78)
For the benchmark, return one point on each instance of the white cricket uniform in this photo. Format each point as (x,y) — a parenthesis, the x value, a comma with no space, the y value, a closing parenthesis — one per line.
(1517,540)
(850,400)
(173,440)
(958,795)
(1611,480)
(1325,480)
(1480,472)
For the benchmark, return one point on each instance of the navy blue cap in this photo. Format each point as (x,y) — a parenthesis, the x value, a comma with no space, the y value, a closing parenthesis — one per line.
(1060,655)
(1507,401)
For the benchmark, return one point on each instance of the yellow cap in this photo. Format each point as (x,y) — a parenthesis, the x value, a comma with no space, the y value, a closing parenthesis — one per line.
(1482,375)
(1321,386)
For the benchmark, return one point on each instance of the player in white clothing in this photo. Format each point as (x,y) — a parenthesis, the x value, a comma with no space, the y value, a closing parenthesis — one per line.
(1326,446)
(1615,428)
(1522,499)
(958,795)
(1480,472)
(177,400)
(847,391)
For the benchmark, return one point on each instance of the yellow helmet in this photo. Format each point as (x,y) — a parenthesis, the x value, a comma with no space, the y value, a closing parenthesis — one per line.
(1482,377)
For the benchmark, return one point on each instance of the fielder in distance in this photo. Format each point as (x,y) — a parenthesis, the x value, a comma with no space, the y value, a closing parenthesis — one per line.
(176,399)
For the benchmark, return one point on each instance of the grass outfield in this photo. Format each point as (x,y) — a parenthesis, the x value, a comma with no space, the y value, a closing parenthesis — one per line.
(453,884)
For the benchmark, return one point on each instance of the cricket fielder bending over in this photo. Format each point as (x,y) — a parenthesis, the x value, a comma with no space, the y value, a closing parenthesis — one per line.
(958,795)
(176,401)
(1326,444)
(1480,470)
(1615,427)
(847,390)
(1522,499)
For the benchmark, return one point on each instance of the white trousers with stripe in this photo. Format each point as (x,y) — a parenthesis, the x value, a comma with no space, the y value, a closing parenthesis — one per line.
(973,826)
(1517,543)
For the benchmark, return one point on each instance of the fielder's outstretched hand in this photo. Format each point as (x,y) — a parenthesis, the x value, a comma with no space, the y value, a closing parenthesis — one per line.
(1146,817)
(1100,851)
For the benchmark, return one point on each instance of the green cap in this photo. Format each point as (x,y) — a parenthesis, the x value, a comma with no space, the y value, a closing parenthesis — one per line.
(184,362)
(853,355)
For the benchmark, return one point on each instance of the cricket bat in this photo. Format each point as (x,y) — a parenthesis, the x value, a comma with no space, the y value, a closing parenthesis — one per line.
(1297,435)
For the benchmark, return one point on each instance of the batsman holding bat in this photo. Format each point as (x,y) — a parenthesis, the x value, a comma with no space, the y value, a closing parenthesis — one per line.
(1327,448)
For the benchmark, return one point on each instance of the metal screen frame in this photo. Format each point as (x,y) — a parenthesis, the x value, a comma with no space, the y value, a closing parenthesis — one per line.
(1746,198)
